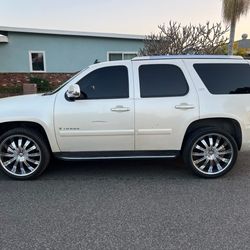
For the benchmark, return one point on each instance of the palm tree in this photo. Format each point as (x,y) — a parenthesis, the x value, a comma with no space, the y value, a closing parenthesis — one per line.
(232,10)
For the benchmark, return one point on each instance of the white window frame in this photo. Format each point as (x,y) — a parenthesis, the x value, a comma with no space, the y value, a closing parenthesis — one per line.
(121,52)
(30,61)
(3,39)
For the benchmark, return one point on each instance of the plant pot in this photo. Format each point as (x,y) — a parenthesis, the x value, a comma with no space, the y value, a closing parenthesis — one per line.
(29,88)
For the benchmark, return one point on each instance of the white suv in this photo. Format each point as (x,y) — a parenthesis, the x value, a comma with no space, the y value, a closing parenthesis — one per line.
(149,107)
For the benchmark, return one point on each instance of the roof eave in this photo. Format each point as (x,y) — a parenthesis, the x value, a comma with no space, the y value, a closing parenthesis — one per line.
(71,33)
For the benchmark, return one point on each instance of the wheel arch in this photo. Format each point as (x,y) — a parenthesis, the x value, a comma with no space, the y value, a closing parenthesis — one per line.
(229,125)
(6,126)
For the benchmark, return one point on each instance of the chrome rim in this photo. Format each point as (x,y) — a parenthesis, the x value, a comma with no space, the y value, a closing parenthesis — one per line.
(20,155)
(212,154)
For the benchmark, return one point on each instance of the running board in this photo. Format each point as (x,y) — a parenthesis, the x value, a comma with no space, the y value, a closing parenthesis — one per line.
(78,156)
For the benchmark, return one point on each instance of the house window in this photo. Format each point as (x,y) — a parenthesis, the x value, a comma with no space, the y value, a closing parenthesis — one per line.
(3,36)
(37,61)
(115,56)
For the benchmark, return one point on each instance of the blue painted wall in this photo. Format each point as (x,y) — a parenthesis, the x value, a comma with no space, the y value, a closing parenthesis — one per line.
(62,53)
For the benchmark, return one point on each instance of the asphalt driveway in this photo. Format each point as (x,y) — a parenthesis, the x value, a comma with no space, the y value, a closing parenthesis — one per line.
(129,204)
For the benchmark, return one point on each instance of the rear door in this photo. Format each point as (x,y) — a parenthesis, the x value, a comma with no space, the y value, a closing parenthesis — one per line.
(166,103)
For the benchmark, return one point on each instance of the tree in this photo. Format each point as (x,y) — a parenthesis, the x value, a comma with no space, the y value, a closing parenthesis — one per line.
(176,39)
(232,10)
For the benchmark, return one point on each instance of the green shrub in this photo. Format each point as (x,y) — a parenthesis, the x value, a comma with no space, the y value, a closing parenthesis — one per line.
(16,89)
(42,84)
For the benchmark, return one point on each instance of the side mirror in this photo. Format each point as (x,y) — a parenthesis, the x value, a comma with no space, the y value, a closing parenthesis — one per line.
(73,92)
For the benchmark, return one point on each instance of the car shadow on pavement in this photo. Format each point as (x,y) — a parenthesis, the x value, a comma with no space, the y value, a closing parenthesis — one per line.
(146,168)
(127,169)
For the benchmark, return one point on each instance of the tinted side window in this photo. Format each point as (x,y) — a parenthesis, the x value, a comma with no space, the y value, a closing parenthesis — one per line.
(106,83)
(162,80)
(225,78)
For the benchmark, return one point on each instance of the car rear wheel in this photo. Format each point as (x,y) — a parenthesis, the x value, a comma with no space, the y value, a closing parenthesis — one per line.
(23,153)
(210,152)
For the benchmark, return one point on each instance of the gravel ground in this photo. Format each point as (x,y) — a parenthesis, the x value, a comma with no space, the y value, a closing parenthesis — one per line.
(126,204)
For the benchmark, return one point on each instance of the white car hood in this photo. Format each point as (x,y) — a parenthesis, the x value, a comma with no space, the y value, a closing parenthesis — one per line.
(26,106)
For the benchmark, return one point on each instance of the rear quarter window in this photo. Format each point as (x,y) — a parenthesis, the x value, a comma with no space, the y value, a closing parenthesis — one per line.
(225,78)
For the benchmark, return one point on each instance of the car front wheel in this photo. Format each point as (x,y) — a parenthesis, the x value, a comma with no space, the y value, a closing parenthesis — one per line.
(23,153)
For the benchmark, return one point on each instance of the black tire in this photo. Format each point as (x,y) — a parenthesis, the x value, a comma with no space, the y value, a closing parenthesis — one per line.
(25,162)
(221,158)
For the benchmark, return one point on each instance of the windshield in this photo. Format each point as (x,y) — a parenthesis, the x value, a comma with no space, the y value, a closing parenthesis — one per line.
(61,86)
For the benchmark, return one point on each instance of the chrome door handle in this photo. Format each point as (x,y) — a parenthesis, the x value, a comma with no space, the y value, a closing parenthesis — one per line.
(185,106)
(120,109)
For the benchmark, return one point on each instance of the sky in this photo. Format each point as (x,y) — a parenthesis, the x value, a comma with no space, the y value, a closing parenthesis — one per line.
(112,16)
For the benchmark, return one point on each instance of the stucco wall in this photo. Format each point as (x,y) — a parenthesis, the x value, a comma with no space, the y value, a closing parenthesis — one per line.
(62,53)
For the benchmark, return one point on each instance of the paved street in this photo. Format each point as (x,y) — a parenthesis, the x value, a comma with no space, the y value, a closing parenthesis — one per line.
(129,204)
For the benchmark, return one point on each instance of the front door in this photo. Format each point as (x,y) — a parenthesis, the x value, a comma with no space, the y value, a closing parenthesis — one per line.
(103,118)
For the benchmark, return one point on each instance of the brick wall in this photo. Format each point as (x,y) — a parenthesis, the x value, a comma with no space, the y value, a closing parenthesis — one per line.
(11,83)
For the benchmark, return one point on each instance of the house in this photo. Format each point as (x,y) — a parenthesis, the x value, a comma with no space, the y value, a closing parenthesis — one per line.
(243,46)
(57,51)
(53,56)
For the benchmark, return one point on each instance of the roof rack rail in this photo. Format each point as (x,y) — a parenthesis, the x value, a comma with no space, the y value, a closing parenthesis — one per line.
(186,57)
